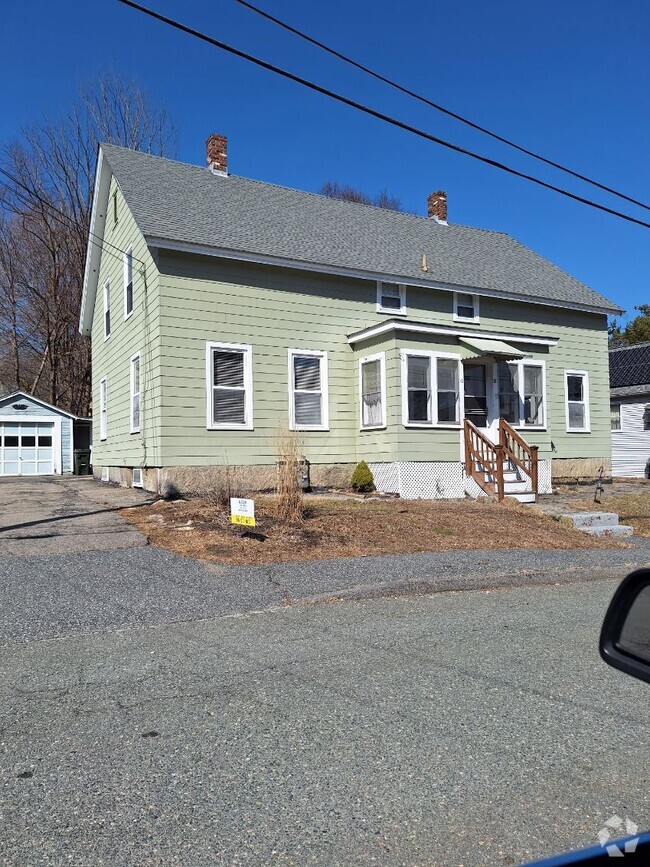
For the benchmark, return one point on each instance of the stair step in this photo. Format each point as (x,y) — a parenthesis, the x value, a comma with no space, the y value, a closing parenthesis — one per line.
(614,530)
(585,520)
(514,487)
(525,497)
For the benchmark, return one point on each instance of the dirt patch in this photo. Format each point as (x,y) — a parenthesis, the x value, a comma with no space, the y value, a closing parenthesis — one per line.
(353,528)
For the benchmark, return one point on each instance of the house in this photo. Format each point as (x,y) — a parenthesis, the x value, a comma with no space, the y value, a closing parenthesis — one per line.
(38,439)
(451,359)
(629,377)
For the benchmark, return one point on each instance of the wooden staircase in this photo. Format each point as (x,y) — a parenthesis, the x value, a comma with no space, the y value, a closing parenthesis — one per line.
(505,469)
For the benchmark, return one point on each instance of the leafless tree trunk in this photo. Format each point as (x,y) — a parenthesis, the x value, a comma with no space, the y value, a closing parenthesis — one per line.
(44,223)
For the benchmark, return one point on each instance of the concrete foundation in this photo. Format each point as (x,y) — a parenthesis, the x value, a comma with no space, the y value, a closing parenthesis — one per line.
(571,471)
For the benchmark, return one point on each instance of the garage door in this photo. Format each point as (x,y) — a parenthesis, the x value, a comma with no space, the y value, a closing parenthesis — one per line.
(26,449)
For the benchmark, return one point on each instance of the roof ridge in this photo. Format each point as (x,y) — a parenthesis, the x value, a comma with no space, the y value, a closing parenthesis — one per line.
(630,346)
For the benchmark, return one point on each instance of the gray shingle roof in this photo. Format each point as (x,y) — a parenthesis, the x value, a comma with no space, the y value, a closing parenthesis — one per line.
(185,203)
(629,366)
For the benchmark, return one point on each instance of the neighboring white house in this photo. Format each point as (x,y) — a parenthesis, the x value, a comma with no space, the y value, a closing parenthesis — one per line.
(629,376)
(37,439)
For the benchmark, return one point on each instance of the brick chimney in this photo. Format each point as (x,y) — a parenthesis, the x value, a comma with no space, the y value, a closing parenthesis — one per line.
(437,207)
(216,154)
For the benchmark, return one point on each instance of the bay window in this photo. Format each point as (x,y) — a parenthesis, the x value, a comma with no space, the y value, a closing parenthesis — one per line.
(522,389)
(430,389)
(372,387)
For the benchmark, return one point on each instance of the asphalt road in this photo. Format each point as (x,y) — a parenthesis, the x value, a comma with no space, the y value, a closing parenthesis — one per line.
(470,728)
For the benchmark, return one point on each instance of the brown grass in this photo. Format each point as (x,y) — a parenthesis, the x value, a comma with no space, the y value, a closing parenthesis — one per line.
(353,528)
(289,488)
(631,508)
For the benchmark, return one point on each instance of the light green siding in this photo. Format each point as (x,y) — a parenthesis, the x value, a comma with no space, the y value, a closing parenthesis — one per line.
(189,300)
(139,333)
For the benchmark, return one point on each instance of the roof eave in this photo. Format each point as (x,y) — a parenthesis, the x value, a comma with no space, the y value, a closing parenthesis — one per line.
(25,394)
(321,268)
(94,248)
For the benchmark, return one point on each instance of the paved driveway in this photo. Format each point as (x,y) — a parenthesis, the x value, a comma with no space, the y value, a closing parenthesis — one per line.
(63,515)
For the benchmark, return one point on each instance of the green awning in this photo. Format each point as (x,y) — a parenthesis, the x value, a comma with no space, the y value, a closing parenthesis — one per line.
(494,348)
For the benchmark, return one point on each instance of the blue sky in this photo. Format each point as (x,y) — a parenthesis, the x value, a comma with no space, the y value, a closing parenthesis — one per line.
(569,79)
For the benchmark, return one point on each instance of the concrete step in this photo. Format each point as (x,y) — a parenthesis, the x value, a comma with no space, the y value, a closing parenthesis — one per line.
(585,520)
(614,530)
(526,497)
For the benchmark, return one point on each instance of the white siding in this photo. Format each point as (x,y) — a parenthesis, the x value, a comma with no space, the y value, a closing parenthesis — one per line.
(631,444)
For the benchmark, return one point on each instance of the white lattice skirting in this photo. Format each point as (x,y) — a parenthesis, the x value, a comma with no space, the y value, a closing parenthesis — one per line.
(437,480)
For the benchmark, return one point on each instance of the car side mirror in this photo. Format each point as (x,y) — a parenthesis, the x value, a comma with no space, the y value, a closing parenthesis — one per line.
(625,636)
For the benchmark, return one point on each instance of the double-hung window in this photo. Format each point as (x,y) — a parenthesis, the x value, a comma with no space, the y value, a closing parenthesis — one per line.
(128,283)
(372,387)
(430,389)
(103,410)
(522,393)
(576,386)
(107,310)
(615,413)
(391,298)
(465,307)
(229,375)
(308,390)
(135,394)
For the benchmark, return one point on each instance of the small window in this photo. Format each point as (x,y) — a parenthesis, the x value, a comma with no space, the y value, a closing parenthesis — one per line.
(135,394)
(102,410)
(391,298)
(577,401)
(137,477)
(11,442)
(28,442)
(45,442)
(308,407)
(107,310)
(465,307)
(373,391)
(418,372)
(230,386)
(646,418)
(615,415)
(128,283)
(115,208)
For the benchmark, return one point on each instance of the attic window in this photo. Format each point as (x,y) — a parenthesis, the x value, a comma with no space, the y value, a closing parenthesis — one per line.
(391,298)
(19,406)
(465,307)
(115,208)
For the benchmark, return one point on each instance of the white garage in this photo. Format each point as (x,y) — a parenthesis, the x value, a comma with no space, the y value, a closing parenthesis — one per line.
(37,439)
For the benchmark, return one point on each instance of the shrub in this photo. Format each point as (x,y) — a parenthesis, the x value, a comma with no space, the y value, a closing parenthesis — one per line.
(362,480)
(289,489)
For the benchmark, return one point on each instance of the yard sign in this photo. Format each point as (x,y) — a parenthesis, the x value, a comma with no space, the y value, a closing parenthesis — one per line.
(242,511)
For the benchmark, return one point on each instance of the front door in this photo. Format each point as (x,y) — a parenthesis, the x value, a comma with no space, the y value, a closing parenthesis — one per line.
(479,397)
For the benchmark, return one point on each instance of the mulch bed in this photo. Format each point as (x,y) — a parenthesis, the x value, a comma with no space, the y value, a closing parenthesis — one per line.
(352,528)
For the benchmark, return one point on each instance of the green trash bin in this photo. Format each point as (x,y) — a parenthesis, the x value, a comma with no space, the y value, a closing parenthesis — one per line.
(82,462)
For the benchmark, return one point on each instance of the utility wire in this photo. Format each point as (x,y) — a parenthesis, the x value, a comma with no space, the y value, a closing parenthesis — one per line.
(437,106)
(377,114)
(32,194)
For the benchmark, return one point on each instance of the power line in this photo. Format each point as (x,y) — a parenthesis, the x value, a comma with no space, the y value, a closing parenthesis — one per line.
(377,114)
(437,106)
(32,194)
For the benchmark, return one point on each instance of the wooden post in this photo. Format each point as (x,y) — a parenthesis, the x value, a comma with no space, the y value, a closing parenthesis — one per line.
(499,477)
(533,470)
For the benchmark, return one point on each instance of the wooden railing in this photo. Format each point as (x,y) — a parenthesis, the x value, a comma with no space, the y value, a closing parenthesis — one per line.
(484,458)
(518,452)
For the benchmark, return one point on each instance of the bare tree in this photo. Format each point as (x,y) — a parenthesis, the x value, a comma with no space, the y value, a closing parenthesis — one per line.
(44,222)
(346,193)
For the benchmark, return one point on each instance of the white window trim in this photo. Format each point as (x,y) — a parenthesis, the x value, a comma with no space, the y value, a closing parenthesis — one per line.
(103,408)
(55,421)
(476,318)
(125,274)
(324,387)
(619,404)
(247,350)
(521,363)
(402,299)
(434,423)
(585,399)
(135,358)
(107,307)
(381,358)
